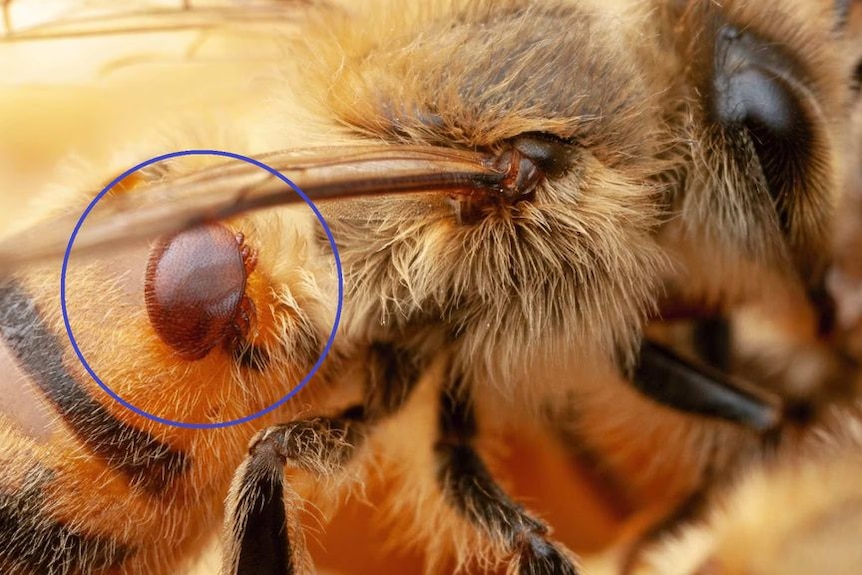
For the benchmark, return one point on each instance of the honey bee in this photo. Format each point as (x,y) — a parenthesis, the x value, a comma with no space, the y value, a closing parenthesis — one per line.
(513,188)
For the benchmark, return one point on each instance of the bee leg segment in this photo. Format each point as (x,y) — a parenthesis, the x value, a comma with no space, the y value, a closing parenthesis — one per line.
(472,491)
(261,536)
(672,381)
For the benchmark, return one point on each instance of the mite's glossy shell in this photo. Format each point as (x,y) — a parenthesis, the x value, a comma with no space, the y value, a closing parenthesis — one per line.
(194,288)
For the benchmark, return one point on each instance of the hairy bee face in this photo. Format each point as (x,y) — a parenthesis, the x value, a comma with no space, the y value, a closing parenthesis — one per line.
(514,278)
(705,137)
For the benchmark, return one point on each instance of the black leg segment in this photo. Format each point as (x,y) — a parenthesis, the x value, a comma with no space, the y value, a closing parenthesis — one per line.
(472,491)
(674,382)
(261,536)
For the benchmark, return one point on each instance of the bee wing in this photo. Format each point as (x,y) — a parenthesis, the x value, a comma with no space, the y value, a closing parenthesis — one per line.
(226,190)
(81,78)
(78,42)
(174,31)
(30,20)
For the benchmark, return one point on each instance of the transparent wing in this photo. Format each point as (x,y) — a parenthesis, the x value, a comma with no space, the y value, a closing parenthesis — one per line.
(130,51)
(73,41)
(80,80)
(29,20)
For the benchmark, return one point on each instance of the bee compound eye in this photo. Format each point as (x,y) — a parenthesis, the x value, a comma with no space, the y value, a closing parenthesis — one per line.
(759,100)
(194,288)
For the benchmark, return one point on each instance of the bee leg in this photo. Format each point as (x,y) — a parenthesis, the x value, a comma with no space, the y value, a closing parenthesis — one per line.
(674,382)
(261,537)
(472,491)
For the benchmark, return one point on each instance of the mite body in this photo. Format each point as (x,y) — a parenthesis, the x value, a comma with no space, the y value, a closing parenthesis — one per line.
(514,189)
(195,290)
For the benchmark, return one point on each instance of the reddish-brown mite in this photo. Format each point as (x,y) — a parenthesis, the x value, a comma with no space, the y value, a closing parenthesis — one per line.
(194,290)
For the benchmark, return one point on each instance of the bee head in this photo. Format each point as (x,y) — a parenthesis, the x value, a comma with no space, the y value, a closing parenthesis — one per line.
(562,250)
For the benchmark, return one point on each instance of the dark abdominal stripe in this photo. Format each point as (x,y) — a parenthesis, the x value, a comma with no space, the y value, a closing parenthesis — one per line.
(34,542)
(149,463)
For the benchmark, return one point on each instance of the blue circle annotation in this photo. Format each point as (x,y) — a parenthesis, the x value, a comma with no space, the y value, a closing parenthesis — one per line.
(216,424)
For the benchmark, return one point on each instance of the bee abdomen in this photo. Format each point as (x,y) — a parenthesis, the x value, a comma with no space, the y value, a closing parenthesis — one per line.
(149,463)
(36,543)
